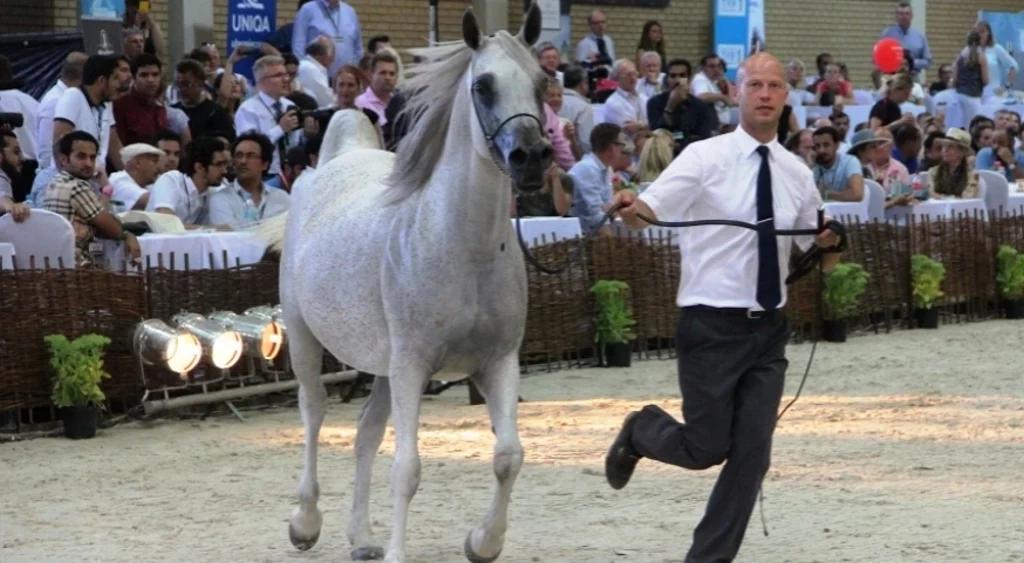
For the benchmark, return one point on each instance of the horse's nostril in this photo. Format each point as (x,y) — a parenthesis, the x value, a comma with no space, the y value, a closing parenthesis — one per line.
(547,152)
(517,157)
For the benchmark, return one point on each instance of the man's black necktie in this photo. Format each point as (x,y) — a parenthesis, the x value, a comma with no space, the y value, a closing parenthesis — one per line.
(282,143)
(602,49)
(769,294)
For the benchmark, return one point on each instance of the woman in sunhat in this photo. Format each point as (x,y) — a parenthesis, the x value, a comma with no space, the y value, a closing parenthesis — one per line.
(954,176)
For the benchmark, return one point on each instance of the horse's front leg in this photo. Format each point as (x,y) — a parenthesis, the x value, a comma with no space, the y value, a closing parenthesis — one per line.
(373,421)
(407,384)
(307,359)
(499,384)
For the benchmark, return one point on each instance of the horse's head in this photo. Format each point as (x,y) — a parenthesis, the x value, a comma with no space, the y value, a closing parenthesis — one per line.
(507,87)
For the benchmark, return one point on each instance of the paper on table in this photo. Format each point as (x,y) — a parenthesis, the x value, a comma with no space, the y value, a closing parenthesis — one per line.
(162,223)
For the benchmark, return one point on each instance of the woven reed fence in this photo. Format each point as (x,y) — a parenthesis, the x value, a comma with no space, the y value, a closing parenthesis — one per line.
(560,319)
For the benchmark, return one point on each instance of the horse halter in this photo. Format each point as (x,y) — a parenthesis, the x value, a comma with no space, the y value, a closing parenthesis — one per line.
(492,148)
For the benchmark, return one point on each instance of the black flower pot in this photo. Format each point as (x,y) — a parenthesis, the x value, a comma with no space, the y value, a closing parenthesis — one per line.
(927,318)
(617,355)
(79,422)
(834,330)
(1014,309)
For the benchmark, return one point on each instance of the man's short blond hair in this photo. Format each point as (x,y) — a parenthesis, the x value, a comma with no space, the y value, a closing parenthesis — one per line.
(259,68)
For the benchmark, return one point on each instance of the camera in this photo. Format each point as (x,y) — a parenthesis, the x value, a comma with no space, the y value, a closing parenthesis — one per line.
(12,120)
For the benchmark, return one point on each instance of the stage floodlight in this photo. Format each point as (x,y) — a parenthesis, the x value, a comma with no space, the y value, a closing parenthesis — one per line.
(263,337)
(221,346)
(267,312)
(157,343)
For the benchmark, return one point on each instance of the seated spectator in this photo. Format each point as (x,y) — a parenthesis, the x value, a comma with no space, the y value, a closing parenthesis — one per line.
(187,195)
(652,80)
(169,144)
(652,38)
(798,94)
(906,146)
(383,79)
(655,156)
(131,185)
(841,121)
(592,183)
(293,89)
(312,149)
(576,105)
(713,88)
(837,175)
(18,174)
(205,117)
(887,111)
(19,211)
(801,144)
(312,72)
(549,59)
(932,150)
(945,75)
(1001,156)
(890,173)
(295,163)
(349,83)
(554,97)
(553,199)
(864,146)
(269,110)
(13,100)
(71,196)
(954,175)
(234,99)
(981,136)
(916,93)
(623,170)
(684,115)
(140,114)
(625,107)
(833,89)
(247,199)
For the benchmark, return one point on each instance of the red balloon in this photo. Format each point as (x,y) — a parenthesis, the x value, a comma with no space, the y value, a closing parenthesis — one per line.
(888,55)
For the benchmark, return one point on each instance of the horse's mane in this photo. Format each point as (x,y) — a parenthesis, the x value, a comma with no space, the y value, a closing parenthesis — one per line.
(430,89)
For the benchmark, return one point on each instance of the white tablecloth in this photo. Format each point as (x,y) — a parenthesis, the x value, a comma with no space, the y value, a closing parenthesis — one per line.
(839,209)
(935,209)
(242,248)
(6,256)
(1015,203)
(552,229)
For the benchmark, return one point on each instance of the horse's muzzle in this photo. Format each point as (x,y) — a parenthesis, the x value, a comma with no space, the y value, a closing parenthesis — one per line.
(527,165)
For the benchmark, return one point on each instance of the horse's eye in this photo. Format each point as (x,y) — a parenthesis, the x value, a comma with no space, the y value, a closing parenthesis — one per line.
(483,87)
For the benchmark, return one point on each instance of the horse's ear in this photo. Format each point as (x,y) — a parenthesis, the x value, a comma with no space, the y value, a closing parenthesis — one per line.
(530,31)
(470,30)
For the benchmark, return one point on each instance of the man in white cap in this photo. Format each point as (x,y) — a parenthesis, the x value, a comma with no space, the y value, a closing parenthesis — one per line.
(141,168)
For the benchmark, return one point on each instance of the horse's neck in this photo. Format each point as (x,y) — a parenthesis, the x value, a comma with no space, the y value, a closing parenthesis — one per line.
(469,194)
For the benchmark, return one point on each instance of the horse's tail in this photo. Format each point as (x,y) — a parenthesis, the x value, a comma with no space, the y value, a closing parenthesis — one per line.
(271,231)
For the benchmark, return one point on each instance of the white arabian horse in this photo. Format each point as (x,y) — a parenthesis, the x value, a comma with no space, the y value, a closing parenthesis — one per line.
(407,267)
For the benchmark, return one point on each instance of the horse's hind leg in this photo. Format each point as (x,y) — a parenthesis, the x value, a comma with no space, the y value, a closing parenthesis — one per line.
(373,421)
(499,385)
(307,360)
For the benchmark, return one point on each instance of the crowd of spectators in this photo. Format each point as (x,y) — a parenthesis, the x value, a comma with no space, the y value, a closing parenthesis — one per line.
(112,134)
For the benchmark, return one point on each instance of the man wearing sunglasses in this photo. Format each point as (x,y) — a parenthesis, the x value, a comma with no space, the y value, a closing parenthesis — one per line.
(686,116)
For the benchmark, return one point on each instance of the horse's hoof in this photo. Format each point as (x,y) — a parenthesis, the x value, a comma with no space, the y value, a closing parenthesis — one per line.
(472,557)
(371,553)
(301,543)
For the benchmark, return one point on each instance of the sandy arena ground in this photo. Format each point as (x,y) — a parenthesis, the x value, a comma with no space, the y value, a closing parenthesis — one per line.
(904,447)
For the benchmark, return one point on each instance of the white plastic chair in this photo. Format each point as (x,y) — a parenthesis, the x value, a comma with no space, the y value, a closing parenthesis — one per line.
(44,239)
(863,98)
(874,193)
(995,190)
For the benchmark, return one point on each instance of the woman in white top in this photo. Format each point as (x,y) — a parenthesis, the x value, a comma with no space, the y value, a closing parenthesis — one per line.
(1002,68)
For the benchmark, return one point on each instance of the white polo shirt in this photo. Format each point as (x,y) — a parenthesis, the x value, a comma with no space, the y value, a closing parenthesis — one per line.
(233,206)
(98,121)
(44,123)
(717,179)
(16,101)
(126,190)
(176,192)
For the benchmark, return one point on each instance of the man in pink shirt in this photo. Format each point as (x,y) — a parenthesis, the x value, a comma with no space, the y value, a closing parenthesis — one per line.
(383,78)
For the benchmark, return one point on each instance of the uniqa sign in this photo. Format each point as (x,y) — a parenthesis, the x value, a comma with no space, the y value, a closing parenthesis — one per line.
(250,16)
(249,23)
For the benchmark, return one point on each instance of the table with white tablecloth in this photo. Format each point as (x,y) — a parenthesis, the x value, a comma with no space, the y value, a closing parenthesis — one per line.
(540,230)
(201,250)
(847,209)
(1015,203)
(936,209)
(6,256)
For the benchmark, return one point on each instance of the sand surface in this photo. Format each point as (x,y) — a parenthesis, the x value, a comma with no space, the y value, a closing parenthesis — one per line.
(904,447)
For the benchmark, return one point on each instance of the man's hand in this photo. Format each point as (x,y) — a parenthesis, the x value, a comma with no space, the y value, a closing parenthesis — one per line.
(676,96)
(631,127)
(134,251)
(1005,155)
(19,212)
(827,238)
(569,131)
(632,208)
(289,121)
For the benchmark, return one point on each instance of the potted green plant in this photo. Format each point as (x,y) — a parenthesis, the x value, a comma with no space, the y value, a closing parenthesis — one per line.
(77,371)
(1010,277)
(614,322)
(844,287)
(926,280)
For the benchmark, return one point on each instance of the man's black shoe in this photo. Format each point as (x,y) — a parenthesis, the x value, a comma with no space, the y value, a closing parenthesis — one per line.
(622,457)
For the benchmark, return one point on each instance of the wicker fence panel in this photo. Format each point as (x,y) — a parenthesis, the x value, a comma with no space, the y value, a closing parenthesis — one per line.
(559,319)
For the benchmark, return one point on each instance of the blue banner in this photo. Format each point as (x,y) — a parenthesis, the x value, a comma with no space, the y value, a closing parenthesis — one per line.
(249,23)
(739,31)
